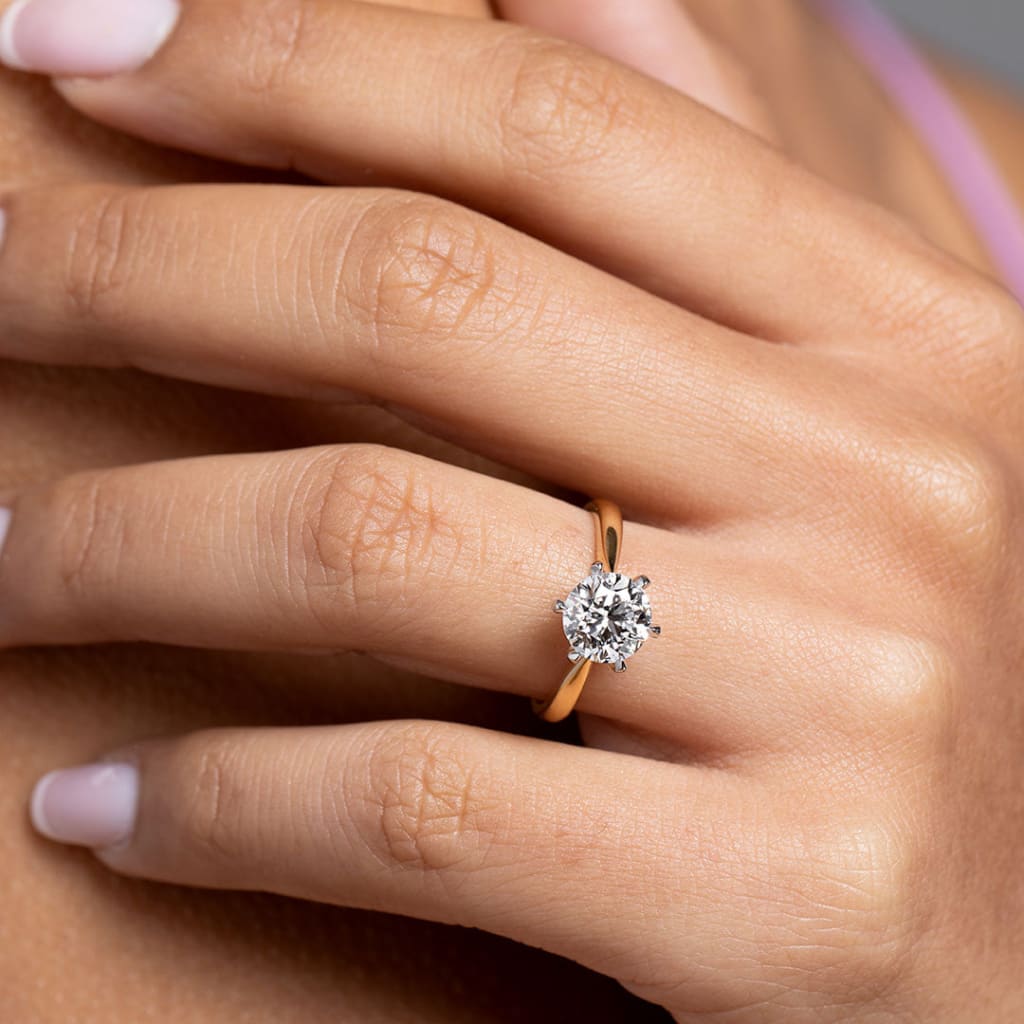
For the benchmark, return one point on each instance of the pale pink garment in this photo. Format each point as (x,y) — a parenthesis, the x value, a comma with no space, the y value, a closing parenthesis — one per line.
(942,127)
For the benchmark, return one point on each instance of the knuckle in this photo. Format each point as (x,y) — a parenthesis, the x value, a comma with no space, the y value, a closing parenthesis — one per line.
(844,911)
(907,692)
(277,37)
(92,535)
(209,817)
(421,809)
(981,323)
(101,254)
(963,320)
(425,270)
(565,107)
(378,514)
(959,491)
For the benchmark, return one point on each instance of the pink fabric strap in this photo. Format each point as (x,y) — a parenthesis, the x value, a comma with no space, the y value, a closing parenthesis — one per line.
(955,146)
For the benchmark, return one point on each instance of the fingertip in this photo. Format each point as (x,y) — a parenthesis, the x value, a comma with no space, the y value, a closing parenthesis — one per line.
(5,513)
(84,37)
(91,805)
(9,54)
(37,807)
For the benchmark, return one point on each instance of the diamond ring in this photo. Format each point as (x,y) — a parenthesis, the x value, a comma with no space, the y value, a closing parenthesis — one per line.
(606,617)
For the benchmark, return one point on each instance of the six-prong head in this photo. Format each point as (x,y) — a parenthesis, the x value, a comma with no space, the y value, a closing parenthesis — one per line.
(606,617)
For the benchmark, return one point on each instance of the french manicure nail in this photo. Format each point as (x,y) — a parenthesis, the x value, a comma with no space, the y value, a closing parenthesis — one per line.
(84,37)
(5,519)
(92,805)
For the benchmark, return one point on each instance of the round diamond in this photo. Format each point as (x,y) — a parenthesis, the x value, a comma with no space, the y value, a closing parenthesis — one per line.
(607,617)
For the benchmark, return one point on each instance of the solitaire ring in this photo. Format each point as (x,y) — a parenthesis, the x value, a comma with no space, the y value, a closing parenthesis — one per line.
(606,617)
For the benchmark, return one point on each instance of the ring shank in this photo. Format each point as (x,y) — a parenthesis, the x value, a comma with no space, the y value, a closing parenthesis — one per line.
(608,547)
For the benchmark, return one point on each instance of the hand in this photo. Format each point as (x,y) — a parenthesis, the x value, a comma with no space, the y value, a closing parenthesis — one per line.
(231,954)
(73,945)
(816,441)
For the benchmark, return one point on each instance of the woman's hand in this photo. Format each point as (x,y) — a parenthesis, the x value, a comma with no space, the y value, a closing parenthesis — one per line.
(805,801)
(116,950)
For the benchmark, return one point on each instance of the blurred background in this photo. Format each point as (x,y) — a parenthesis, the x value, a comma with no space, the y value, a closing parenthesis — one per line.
(988,33)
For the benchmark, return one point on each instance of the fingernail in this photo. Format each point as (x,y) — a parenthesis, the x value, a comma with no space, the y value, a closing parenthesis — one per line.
(93,805)
(5,513)
(84,37)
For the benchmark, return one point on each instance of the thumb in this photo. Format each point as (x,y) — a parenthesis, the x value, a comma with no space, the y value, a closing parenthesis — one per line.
(657,37)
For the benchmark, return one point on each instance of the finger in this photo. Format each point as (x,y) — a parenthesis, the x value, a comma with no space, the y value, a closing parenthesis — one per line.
(358,548)
(657,37)
(574,148)
(503,344)
(440,570)
(622,864)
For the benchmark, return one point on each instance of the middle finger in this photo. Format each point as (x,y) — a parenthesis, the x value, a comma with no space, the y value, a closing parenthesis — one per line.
(503,343)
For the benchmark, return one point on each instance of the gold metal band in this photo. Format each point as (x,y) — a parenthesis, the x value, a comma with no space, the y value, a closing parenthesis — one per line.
(608,547)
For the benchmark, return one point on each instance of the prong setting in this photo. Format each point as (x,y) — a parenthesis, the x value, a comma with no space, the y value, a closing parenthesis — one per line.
(607,617)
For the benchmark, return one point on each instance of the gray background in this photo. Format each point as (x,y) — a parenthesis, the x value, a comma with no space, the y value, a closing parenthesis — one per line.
(988,32)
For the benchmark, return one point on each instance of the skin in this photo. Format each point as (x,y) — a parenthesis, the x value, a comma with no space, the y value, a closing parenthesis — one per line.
(123,679)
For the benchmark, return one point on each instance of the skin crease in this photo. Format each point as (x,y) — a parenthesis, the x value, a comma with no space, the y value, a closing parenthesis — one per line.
(238,957)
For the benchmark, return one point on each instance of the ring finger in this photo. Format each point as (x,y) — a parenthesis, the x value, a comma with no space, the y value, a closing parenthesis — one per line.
(418,563)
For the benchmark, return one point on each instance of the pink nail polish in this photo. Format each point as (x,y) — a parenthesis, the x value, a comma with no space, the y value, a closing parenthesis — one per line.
(84,37)
(92,805)
(5,520)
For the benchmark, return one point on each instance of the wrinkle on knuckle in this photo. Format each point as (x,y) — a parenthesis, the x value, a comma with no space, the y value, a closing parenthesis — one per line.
(273,54)
(91,538)
(101,251)
(946,495)
(210,818)
(982,323)
(377,520)
(845,913)
(426,269)
(960,318)
(421,806)
(564,107)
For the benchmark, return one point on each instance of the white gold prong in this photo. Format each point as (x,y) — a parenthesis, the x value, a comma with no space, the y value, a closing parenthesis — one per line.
(597,568)
(559,606)
(644,581)
(575,656)
(620,666)
(655,630)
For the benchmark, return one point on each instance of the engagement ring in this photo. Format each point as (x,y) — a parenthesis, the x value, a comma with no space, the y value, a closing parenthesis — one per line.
(606,617)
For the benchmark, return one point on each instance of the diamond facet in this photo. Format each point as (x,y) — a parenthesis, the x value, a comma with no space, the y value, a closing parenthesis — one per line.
(607,617)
